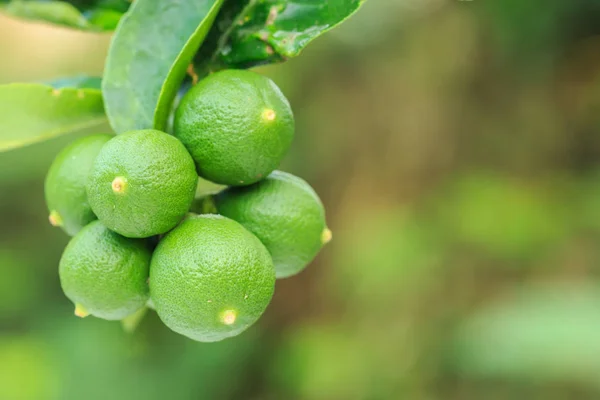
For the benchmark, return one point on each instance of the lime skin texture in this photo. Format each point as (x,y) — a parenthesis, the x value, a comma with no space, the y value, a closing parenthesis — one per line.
(285,213)
(237,125)
(210,278)
(105,274)
(142,183)
(66,180)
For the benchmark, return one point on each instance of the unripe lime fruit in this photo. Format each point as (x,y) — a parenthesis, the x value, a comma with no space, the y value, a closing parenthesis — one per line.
(210,278)
(142,183)
(237,125)
(105,274)
(285,213)
(65,184)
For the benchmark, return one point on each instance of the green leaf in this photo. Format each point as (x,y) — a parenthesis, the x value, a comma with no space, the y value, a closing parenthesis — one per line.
(106,20)
(148,58)
(77,82)
(255,32)
(32,112)
(83,15)
(544,332)
(56,12)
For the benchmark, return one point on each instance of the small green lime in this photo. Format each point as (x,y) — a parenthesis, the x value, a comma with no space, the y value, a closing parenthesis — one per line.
(285,213)
(142,183)
(210,278)
(104,273)
(237,125)
(65,184)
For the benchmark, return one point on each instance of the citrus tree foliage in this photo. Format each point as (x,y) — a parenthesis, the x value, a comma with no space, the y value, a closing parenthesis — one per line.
(150,57)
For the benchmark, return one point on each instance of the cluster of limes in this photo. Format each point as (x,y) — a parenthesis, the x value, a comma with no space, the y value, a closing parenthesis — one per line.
(128,200)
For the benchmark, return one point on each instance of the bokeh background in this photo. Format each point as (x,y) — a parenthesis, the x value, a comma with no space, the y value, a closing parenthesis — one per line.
(455,145)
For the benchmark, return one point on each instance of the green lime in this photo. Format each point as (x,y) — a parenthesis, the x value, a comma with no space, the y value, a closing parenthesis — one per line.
(237,125)
(104,273)
(210,278)
(65,184)
(142,183)
(285,213)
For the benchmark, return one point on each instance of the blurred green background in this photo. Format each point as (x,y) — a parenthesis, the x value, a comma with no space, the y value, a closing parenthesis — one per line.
(455,145)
